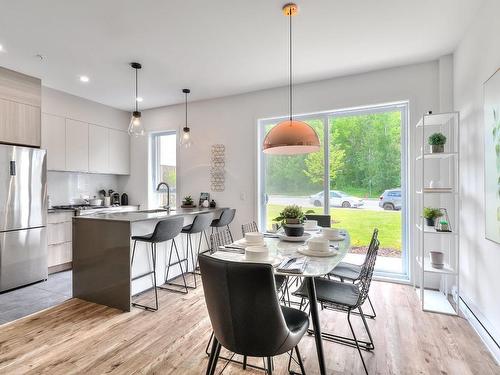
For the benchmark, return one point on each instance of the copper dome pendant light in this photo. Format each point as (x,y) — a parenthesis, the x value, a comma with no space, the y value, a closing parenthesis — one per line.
(291,137)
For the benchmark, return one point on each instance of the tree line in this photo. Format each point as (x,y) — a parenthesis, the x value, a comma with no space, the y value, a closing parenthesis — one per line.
(365,158)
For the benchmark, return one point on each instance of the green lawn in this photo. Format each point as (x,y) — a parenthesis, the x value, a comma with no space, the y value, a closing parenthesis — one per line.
(360,224)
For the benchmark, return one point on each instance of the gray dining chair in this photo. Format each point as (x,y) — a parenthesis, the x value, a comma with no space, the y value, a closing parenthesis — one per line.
(249,227)
(347,297)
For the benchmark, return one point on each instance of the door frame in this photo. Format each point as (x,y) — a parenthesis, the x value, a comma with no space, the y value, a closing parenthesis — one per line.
(326,116)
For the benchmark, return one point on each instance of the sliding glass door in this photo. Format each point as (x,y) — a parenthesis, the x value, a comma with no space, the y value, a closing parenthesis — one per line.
(358,177)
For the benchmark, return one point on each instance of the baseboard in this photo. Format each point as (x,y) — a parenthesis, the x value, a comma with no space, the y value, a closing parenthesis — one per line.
(482,327)
(60,267)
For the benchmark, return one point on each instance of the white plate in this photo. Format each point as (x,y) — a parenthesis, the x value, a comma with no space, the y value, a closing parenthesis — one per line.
(312,229)
(338,238)
(305,250)
(284,237)
(244,242)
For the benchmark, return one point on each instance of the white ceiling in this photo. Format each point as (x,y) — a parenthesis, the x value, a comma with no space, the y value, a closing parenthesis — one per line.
(217,47)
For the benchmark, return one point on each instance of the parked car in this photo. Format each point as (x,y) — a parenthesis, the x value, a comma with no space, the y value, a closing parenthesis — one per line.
(391,199)
(337,199)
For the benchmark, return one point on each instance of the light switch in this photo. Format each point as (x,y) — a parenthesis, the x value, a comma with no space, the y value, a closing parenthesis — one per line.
(243,196)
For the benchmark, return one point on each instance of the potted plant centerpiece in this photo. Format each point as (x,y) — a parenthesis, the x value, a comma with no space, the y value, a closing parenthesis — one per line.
(431,214)
(292,220)
(437,142)
(188,202)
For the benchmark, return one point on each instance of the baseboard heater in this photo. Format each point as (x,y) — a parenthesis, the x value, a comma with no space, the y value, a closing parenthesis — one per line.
(483,332)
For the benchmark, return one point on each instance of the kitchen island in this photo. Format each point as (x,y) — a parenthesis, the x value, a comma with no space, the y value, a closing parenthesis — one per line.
(102,251)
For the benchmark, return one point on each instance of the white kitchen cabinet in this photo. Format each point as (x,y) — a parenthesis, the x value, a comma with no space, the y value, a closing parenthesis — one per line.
(98,149)
(77,146)
(54,141)
(59,241)
(119,152)
(20,98)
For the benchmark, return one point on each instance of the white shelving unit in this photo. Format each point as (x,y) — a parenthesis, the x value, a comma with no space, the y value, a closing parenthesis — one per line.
(437,186)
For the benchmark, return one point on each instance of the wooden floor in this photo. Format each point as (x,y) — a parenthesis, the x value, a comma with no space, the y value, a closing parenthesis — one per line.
(79,337)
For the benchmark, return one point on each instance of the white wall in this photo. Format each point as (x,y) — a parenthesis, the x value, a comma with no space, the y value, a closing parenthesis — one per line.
(233,122)
(476,59)
(65,186)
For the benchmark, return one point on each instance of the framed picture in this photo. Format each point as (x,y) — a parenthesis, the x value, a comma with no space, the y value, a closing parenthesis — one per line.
(492,157)
(204,197)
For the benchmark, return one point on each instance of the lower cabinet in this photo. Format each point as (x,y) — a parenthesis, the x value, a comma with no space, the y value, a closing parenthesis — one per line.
(59,241)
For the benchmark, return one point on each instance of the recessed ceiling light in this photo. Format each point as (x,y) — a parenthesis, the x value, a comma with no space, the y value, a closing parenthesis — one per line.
(139,99)
(84,78)
(1,48)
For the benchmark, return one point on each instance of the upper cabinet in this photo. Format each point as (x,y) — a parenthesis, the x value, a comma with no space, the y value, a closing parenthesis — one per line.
(20,99)
(119,152)
(54,141)
(98,149)
(77,146)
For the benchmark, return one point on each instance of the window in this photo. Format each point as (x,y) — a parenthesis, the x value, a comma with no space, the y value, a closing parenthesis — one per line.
(164,165)
(359,177)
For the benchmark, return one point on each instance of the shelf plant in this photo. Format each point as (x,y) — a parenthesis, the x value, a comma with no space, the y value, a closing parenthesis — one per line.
(437,142)
(431,214)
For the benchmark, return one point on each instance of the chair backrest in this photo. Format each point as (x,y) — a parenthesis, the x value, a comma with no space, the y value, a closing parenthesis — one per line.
(201,222)
(221,238)
(324,221)
(167,229)
(249,227)
(365,277)
(226,217)
(243,306)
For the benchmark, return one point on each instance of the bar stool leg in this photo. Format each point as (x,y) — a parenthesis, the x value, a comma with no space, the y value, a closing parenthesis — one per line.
(209,247)
(153,255)
(153,272)
(133,254)
(193,260)
(179,261)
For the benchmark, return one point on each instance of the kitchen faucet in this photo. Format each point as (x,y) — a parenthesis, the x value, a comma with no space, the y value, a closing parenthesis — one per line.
(159,189)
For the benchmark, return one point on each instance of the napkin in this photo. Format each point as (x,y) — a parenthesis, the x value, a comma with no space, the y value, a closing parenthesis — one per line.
(295,265)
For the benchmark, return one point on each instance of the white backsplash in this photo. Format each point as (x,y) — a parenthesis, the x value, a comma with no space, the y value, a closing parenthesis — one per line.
(64,187)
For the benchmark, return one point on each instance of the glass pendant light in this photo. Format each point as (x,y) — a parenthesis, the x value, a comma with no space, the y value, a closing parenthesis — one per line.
(291,137)
(186,140)
(135,127)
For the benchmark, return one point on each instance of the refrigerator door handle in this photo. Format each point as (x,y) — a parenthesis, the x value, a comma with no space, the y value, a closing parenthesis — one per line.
(12,168)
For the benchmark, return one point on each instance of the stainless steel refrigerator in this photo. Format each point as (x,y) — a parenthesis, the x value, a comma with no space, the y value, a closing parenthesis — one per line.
(23,216)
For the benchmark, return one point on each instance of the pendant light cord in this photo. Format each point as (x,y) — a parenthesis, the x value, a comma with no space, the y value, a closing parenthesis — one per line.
(136,91)
(186,105)
(291,80)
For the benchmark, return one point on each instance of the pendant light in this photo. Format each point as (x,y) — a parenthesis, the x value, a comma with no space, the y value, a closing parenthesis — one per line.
(291,137)
(186,140)
(135,127)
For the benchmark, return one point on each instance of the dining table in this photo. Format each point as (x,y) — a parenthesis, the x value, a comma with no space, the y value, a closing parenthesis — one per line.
(315,267)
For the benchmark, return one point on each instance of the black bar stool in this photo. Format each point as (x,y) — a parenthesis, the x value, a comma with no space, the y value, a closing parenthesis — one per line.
(226,218)
(165,230)
(200,223)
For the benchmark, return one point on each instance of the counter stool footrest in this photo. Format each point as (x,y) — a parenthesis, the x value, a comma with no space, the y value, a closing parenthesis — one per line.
(173,289)
(148,308)
(142,275)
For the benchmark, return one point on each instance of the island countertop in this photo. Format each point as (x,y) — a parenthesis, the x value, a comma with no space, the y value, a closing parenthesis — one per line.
(154,214)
